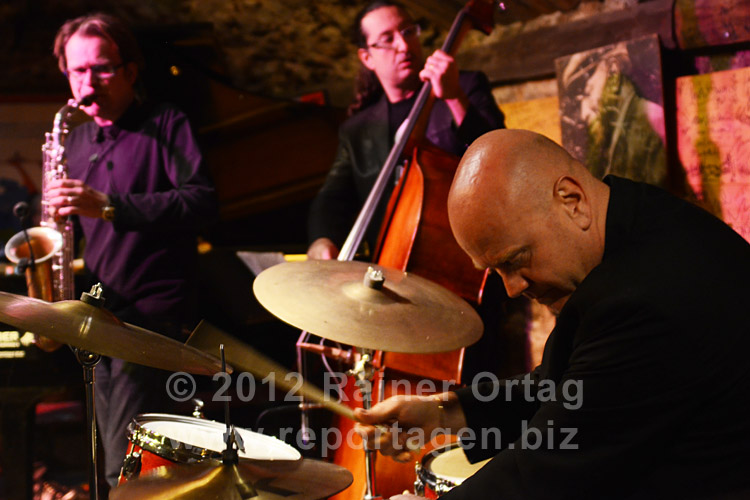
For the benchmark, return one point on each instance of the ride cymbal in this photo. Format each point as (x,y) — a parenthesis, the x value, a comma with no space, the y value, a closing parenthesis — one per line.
(97,330)
(344,302)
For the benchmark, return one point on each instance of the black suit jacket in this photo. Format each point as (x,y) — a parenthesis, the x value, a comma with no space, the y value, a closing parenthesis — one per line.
(657,337)
(364,144)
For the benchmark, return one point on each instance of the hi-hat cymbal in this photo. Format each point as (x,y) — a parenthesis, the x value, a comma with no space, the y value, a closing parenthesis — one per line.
(305,479)
(97,330)
(329,298)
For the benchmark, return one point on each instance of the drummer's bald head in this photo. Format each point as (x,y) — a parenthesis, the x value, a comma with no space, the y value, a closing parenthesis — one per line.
(511,177)
(515,167)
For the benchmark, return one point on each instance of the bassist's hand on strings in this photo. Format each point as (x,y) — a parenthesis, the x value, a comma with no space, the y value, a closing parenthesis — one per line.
(442,71)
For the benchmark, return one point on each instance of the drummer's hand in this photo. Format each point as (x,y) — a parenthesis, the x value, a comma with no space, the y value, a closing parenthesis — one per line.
(74,197)
(413,418)
(406,496)
(323,249)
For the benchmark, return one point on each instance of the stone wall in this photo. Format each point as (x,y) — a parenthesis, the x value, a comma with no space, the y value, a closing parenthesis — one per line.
(274,48)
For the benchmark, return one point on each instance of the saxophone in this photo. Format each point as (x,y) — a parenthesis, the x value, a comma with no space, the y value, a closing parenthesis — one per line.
(52,244)
(54,167)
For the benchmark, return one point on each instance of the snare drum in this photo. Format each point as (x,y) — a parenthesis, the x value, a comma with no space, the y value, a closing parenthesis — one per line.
(443,469)
(159,439)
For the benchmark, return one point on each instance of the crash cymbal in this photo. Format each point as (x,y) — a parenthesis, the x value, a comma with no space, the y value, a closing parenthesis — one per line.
(305,479)
(97,330)
(330,298)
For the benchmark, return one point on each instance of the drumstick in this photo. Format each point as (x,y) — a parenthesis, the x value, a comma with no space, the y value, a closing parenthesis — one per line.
(207,338)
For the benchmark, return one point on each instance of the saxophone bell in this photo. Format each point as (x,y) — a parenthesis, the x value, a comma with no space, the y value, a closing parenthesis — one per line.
(43,243)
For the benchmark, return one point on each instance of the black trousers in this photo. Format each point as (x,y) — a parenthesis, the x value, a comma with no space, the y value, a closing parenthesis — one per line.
(124,390)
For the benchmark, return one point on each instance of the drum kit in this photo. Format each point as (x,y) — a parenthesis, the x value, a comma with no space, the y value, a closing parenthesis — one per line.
(173,456)
(443,469)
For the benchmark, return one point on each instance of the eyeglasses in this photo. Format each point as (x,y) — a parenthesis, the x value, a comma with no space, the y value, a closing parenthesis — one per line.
(387,41)
(100,71)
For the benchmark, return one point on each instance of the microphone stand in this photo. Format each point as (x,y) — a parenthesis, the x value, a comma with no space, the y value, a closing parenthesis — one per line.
(88,360)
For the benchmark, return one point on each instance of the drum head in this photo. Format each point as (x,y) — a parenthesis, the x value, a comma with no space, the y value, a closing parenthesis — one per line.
(450,463)
(199,435)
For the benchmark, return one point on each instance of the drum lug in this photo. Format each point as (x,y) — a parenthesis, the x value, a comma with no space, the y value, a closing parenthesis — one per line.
(131,466)
(198,409)
(418,484)
(443,486)
(418,488)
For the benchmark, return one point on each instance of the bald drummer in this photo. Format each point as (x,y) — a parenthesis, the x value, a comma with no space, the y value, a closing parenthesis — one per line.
(642,381)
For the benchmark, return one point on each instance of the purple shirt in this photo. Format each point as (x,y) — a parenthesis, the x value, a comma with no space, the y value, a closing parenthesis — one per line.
(150,165)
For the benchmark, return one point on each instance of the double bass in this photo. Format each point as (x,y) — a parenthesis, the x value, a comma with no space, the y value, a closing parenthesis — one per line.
(415,236)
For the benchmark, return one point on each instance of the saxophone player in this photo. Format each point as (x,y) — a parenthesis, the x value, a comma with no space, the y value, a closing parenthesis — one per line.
(138,184)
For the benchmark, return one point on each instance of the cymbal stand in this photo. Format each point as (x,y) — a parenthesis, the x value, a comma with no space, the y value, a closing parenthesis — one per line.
(88,361)
(364,372)
(233,441)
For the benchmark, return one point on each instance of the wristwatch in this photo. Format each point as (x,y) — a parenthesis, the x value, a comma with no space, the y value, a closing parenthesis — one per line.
(108,213)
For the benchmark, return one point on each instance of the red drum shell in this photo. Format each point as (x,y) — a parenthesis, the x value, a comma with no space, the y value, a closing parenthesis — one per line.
(160,439)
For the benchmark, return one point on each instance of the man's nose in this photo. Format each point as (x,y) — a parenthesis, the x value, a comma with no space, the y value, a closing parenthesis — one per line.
(514,283)
(400,43)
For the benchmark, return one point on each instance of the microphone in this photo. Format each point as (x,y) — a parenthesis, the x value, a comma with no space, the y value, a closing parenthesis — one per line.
(21,210)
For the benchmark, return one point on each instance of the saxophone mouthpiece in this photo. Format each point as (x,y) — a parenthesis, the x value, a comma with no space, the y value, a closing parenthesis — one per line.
(87,100)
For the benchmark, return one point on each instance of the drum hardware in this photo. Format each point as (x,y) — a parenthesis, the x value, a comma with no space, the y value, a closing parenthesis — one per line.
(242,356)
(310,406)
(224,461)
(91,332)
(443,469)
(364,373)
(405,314)
(131,466)
(234,443)
(160,439)
(207,338)
(369,306)
(346,356)
(198,408)
(88,361)
(216,474)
